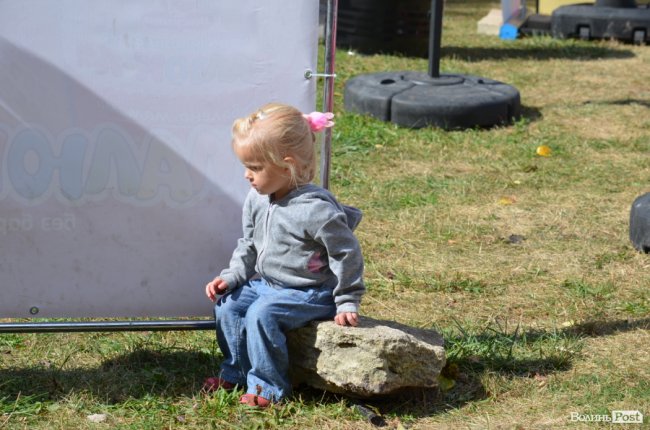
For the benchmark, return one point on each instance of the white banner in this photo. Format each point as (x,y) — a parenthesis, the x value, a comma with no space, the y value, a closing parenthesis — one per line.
(119,192)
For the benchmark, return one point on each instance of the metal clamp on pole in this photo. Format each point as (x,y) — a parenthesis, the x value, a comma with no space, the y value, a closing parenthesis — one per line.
(309,74)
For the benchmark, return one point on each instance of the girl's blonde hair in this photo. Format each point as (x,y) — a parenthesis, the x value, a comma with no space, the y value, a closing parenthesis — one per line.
(274,132)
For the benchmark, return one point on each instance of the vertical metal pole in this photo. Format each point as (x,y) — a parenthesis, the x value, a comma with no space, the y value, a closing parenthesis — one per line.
(328,90)
(435,35)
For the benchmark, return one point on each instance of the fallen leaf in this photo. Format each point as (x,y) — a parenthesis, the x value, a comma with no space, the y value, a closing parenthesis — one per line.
(543,151)
(507,200)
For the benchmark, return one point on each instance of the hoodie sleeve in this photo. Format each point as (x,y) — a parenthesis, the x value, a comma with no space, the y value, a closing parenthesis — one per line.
(242,262)
(345,261)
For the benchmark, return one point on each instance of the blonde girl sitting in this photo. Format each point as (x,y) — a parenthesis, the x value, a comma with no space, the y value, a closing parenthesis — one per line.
(298,260)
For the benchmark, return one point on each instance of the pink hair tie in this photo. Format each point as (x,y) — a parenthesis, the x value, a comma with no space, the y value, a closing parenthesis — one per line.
(319,120)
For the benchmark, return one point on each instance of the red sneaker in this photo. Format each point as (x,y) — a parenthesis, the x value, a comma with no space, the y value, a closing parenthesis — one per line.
(254,400)
(215,383)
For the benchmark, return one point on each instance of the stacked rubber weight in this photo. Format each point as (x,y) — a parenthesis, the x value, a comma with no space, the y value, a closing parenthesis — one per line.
(606,19)
(416,100)
(448,101)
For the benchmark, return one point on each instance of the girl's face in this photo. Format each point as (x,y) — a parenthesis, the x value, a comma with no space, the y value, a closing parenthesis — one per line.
(266,178)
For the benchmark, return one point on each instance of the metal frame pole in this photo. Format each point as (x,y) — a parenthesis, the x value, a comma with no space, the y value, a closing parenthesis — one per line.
(328,89)
(112,326)
(435,36)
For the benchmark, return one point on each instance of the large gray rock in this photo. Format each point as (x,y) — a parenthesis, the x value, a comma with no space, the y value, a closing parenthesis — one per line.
(374,358)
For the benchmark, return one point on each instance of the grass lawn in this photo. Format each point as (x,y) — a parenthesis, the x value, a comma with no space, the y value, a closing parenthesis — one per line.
(521,261)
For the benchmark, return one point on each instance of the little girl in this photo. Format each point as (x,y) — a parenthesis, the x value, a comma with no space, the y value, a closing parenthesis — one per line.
(297,262)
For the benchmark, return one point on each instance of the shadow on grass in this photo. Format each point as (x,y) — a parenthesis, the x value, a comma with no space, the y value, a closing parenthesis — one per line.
(599,328)
(171,373)
(531,113)
(566,52)
(140,373)
(463,376)
(623,102)
(491,351)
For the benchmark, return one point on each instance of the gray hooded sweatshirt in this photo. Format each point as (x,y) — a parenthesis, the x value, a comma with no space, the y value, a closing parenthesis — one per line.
(302,240)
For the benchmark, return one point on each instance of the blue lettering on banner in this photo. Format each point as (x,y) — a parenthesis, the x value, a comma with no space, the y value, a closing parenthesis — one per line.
(96,167)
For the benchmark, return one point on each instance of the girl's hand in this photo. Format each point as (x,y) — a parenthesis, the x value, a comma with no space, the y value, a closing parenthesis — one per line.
(347,318)
(215,287)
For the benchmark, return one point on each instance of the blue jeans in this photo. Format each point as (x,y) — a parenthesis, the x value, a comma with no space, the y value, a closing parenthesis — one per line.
(251,326)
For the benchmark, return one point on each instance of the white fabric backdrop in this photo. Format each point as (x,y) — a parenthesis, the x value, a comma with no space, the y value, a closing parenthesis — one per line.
(119,193)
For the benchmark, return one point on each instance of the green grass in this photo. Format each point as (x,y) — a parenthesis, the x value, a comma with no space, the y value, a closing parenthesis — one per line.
(555,322)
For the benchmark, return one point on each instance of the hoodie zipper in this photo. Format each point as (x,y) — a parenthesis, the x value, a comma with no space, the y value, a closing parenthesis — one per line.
(267,224)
